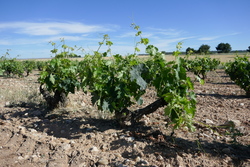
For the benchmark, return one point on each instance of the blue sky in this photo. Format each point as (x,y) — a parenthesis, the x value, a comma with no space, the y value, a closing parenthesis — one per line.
(27,26)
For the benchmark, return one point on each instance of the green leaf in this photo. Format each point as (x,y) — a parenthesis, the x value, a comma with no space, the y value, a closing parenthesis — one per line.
(136,75)
(52,79)
(152,50)
(137,49)
(144,41)
(140,101)
(138,33)
(105,106)
(168,97)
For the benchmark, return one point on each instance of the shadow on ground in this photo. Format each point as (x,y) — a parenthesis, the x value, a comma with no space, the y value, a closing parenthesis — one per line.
(74,125)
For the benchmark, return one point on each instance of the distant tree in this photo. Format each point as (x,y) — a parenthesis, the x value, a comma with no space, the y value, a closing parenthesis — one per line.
(164,52)
(248,49)
(204,49)
(190,51)
(223,48)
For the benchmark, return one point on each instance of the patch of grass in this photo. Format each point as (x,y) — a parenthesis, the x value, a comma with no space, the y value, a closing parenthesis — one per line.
(21,96)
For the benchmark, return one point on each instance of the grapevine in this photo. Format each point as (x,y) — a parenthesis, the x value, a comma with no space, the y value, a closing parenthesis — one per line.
(119,82)
(239,72)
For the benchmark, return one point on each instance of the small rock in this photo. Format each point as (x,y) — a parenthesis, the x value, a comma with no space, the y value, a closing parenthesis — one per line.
(236,122)
(118,155)
(179,161)
(72,142)
(231,124)
(208,121)
(137,159)
(66,146)
(144,162)
(34,158)
(26,157)
(126,161)
(141,154)
(122,136)
(93,149)
(130,139)
(7,103)
(226,150)
(103,161)
(33,130)
(104,147)
(159,158)
(83,105)
(22,130)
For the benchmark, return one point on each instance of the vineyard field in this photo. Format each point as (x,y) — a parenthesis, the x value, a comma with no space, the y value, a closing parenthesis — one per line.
(80,135)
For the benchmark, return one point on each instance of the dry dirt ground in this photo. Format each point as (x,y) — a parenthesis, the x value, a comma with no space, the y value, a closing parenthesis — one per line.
(80,135)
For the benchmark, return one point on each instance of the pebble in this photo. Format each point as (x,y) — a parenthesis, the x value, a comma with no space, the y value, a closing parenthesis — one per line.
(118,155)
(130,139)
(160,158)
(104,147)
(34,158)
(7,103)
(237,123)
(22,130)
(103,161)
(20,158)
(226,150)
(208,121)
(93,149)
(32,130)
(144,162)
(137,159)
(66,146)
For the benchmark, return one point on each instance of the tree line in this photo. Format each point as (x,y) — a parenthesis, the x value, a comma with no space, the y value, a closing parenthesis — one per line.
(205,49)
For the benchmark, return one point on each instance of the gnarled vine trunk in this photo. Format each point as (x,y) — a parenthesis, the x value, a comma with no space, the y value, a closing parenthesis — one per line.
(134,116)
(59,99)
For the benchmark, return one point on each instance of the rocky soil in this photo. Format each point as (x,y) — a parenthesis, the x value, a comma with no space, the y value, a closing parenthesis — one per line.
(80,135)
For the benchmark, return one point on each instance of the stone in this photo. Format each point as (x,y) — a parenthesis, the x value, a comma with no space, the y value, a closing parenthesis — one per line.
(237,123)
(137,159)
(226,150)
(22,130)
(129,139)
(118,155)
(103,161)
(208,121)
(66,146)
(34,158)
(93,149)
(159,158)
(144,162)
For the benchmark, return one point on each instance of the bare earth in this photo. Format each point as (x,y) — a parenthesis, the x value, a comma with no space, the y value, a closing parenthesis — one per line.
(79,135)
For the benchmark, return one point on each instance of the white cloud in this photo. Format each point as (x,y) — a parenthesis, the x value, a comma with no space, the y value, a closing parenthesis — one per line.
(216,37)
(53,28)
(166,32)
(209,38)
